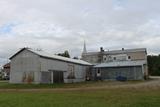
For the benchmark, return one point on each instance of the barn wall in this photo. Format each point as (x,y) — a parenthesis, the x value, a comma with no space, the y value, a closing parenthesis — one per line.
(50,64)
(79,71)
(25,68)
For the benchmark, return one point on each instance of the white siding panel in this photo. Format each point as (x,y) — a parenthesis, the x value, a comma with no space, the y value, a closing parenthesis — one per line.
(24,62)
(16,77)
(80,71)
(49,64)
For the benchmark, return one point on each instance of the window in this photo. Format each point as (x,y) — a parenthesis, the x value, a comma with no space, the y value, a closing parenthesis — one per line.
(98,71)
(129,57)
(114,58)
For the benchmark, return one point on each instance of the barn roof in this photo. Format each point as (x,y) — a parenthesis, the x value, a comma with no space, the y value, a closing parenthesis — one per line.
(121,64)
(52,56)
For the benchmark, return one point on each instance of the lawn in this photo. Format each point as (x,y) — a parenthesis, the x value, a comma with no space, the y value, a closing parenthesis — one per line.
(114,97)
(96,98)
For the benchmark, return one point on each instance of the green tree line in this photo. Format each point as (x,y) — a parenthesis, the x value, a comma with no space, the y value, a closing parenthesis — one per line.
(64,54)
(154,65)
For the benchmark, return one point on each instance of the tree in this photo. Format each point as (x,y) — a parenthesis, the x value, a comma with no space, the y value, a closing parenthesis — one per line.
(154,64)
(65,54)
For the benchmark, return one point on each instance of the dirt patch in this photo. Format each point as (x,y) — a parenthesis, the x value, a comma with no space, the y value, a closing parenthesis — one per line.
(154,83)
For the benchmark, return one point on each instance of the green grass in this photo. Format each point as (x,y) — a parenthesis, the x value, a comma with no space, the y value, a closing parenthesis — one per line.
(111,97)
(6,85)
(96,98)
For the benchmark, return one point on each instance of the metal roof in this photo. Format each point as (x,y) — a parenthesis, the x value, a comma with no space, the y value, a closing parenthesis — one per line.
(121,64)
(119,51)
(126,51)
(52,56)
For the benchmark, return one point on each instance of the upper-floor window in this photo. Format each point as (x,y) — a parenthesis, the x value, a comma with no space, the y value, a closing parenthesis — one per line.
(129,57)
(104,58)
(109,58)
(114,58)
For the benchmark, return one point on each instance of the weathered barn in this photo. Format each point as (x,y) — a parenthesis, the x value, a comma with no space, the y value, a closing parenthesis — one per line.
(29,66)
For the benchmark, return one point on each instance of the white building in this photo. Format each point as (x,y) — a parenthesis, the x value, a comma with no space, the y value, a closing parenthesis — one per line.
(29,66)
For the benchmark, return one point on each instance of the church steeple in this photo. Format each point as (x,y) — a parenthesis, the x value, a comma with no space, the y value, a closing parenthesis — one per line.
(84,48)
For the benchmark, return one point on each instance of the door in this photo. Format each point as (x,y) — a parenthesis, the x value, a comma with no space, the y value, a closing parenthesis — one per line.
(58,77)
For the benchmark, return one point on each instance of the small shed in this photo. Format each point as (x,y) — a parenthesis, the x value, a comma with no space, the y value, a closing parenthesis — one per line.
(31,66)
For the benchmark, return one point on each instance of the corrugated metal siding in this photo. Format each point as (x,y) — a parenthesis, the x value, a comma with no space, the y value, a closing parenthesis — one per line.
(23,65)
(55,65)
(131,73)
(27,64)
(49,64)
(46,77)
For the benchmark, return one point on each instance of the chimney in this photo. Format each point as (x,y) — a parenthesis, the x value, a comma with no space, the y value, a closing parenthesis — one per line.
(122,49)
(101,49)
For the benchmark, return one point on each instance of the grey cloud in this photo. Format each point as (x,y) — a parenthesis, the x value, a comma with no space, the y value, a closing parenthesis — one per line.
(58,25)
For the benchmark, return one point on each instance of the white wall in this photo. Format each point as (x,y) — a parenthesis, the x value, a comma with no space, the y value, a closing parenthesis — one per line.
(24,63)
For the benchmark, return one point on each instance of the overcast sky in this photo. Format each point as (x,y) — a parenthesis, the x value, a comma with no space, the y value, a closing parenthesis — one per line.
(58,25)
